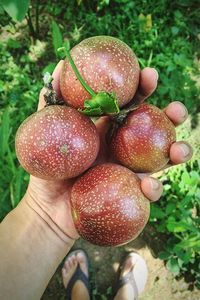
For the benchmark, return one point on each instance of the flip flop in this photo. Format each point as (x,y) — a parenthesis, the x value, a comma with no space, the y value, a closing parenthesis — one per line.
(78,274)
(137,276)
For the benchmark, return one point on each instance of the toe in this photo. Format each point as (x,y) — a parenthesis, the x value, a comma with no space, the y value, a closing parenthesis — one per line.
(64,272)
(82,260)
(71,262)
(66,265)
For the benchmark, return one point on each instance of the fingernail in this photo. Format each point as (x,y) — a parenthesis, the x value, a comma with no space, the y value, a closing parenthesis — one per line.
(185,149)
(183,110)
(155,184)
(156,72)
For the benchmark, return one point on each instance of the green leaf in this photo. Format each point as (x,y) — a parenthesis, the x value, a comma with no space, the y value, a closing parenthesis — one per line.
(18,182)
(156,212)
(13,43)
(181,226)
(101,103)
(164,255)
(4,132)
(56,36)
(173,266)
(49,68)
(193,243)
(92,111)
(170,208)
(175,30)
(16,9)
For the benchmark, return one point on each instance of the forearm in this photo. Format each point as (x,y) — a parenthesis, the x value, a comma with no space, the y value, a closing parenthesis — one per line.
(30,251)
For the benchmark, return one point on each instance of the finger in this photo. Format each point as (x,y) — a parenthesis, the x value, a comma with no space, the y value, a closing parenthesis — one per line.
(151,188)
(55,84)
(147,84)
(41,102)
(180,152)
(176,112)
(102,125)
(56,77)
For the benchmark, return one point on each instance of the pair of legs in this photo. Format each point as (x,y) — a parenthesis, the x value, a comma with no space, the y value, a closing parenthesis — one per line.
(133,276)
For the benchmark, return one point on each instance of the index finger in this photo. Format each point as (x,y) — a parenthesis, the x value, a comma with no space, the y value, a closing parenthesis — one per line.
(55,84)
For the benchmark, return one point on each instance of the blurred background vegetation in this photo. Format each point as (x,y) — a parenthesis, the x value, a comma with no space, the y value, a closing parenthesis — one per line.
(164,35)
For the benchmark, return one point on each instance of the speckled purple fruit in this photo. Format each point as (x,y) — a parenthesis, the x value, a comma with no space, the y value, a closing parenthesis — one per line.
(143,142)
(57,142)
(106,64)
(108,206)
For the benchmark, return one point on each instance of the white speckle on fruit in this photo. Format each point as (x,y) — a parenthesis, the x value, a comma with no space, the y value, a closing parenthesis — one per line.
(64,147)
(110,66)
(143,142)
(111,206)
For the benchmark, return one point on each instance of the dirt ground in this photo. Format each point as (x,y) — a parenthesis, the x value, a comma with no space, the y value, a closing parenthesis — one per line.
(104,263)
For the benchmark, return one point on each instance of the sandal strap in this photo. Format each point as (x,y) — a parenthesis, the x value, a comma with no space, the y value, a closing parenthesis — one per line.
(128,279)
(78,275)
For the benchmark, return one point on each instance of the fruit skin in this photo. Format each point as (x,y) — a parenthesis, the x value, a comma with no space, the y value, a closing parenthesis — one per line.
(143,142)
(57,142)
(106,64)
(108,206)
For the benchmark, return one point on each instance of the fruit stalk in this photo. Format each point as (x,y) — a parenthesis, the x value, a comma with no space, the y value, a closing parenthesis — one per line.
(76,71)
(101,102)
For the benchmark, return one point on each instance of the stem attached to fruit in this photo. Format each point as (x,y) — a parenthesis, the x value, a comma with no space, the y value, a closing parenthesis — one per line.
(76,71)
(121,116)
(101,102)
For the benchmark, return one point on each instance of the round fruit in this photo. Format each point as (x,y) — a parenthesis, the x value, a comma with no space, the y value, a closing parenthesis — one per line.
(108,206)
(143,142)
(106,64)
(57,142)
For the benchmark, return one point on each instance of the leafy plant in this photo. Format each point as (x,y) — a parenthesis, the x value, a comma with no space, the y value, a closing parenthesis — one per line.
(176,216)
(56,36)
(16,9)
(17,94)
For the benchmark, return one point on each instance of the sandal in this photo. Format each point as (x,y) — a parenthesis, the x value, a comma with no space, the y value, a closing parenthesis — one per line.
(78,275)
(137,276)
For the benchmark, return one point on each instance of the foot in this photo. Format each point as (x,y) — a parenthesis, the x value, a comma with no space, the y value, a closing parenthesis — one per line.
(72,261)
(134,276)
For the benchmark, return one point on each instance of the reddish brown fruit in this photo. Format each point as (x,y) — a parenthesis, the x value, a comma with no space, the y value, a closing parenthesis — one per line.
(108,206)
(106,64)
(57,142)
(143,142)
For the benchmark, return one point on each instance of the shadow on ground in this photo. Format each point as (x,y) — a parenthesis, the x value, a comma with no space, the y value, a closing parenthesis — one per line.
(104,263)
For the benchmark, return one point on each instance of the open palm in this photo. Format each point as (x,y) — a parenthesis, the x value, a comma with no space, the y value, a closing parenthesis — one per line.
(51,198)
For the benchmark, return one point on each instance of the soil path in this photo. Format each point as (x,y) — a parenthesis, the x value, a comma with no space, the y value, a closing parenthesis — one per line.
(104,262)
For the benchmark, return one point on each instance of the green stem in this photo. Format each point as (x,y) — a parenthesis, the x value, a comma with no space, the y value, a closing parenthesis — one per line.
(37,18)
(76,71)
(30,25)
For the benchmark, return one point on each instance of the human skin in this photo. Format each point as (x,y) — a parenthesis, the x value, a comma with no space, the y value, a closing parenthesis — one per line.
(39,232)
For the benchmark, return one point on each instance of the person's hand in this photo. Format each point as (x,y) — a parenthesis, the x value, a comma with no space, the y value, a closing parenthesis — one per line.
(52,198)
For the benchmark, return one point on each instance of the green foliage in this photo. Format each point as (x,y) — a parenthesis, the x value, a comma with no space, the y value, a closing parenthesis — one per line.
(16,9)
(18,99)
(163,34)
(177,216)
(56,36)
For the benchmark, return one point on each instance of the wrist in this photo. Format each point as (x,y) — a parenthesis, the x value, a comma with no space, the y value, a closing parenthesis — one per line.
(31,250)
(39,216)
